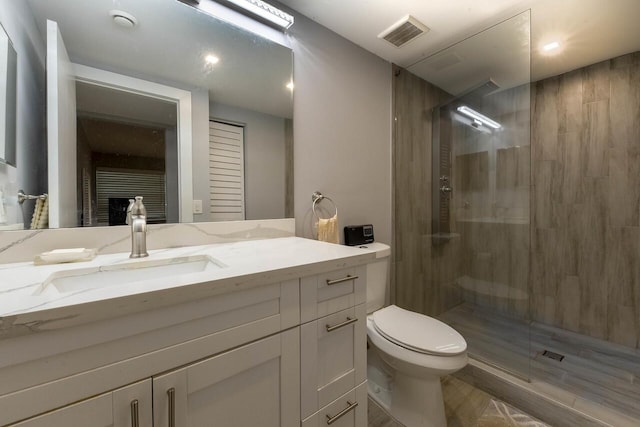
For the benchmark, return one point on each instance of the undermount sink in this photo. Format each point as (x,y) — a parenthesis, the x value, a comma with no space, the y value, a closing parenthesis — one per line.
(84,279)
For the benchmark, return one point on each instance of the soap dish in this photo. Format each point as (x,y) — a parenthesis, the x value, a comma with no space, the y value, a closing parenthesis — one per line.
(60,256)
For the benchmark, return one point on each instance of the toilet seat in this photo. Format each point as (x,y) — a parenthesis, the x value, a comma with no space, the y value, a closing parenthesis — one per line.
(417,332)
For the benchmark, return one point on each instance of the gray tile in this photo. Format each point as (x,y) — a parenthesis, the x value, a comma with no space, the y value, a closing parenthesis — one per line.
(378,417)
(595,85)
(499,414)
(464,404)
(595,153)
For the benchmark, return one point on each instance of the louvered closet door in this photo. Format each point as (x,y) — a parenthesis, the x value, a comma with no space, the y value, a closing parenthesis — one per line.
(226,171)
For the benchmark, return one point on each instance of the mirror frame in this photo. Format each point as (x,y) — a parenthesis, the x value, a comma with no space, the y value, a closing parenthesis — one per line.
(10,154)
(181,98)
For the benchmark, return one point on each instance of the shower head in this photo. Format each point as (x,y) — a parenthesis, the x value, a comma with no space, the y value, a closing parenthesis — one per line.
(479,91)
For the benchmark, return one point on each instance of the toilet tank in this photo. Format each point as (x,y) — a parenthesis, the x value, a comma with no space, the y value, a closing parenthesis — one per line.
(378,276)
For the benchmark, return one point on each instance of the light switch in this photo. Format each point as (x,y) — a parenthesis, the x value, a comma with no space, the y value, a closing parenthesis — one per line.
(197,206)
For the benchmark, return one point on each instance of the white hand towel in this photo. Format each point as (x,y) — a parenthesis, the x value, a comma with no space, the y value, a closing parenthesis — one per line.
(328,230)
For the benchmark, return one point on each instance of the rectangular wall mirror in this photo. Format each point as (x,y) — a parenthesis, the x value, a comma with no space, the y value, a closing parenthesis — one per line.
(159,99)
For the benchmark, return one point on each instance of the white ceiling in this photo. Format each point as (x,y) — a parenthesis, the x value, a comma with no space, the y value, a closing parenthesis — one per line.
(169,45)
(589,30)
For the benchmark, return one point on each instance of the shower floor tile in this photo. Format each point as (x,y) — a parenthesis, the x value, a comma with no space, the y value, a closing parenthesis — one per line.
(591,370)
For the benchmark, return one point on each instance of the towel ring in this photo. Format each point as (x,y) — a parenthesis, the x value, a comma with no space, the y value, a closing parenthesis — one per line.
(317,197)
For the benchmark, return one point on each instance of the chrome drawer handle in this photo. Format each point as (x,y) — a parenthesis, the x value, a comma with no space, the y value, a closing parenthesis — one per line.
(135,420)
(331,420)
(340,325)
(344,279)
(172,406)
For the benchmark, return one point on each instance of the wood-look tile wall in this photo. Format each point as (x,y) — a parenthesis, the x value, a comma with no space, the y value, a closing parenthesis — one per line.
(485,260)
(586,200)
(584,252)
(420,284)
(492,219)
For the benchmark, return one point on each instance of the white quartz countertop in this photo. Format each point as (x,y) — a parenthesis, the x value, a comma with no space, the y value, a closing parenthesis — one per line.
(25,309)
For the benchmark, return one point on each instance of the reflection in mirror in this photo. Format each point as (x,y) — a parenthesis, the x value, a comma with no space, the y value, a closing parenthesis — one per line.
(126,144)
(8,71)
(109,142)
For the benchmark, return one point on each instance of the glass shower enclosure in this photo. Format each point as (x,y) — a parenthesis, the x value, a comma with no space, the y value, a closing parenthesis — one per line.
(480,191)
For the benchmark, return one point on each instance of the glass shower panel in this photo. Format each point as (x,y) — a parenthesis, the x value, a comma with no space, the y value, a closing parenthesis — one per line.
(481,168)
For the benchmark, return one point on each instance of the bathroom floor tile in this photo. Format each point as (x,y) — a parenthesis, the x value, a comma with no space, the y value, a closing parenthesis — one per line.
(499,414)
(378,417)
(463,403)
(465,406)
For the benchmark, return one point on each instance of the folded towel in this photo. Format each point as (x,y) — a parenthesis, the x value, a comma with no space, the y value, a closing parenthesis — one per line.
(37,210)
(328,229)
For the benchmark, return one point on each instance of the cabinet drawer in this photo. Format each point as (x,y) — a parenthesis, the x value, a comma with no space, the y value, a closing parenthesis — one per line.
(329,293)
(349,410)
(333,358)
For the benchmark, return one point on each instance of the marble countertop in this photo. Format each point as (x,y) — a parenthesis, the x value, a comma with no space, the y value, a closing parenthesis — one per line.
(24,309)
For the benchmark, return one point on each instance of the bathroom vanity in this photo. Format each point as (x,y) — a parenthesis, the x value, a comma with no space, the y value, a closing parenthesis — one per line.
(257,333)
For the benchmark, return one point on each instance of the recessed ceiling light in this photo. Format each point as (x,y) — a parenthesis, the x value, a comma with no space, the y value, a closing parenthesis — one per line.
(212,59)
(550,46)
(123,19)
(290,85)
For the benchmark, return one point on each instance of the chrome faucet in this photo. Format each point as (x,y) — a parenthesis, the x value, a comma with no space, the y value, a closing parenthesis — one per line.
(137,218)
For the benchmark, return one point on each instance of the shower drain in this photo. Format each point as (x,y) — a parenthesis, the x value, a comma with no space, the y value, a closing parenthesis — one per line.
(552,355)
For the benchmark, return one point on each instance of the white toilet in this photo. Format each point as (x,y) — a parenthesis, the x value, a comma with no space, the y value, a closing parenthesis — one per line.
(408,353)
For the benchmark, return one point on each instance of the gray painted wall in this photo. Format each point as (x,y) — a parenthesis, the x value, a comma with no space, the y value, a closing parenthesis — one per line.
(342,128)
(18,22)
(200,150)
(264,156)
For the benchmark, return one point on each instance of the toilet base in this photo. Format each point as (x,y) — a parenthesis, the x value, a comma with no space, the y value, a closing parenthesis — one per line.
(413,401)
(417,402)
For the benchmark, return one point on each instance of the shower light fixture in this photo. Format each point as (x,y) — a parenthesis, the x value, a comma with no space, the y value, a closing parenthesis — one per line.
(478,117)
(265,11)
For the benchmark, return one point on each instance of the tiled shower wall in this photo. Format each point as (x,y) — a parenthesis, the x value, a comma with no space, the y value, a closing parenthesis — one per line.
(420,284)
(585,207)
(484,260)
(586,200)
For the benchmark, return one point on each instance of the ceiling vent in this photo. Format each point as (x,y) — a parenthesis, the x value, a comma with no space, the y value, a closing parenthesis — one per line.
(404,31)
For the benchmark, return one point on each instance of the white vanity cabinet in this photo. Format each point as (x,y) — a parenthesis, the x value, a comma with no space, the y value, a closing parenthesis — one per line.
(349,410)
(333,357)
(333,348)
(286,350)
(129,406)
(254,385)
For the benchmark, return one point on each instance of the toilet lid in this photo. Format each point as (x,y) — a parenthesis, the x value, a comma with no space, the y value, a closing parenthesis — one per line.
(418,332)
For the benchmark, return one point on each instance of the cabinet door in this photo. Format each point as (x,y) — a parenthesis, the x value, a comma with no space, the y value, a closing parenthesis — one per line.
(349,410)
(333,357)
(126,407)
(254,385)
